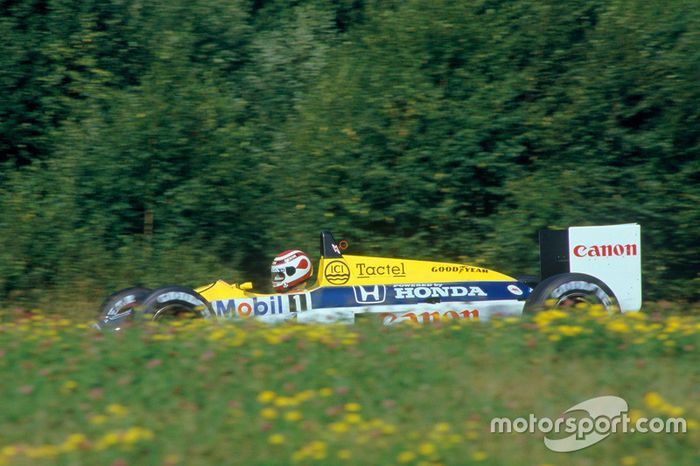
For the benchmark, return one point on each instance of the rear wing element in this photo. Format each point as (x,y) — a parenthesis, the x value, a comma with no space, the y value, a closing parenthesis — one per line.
(329,248)
(611,253)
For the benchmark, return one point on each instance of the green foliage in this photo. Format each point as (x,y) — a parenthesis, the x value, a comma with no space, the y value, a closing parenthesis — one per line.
(135,134)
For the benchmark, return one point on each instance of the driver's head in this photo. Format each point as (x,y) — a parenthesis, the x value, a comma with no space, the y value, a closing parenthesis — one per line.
(290,269)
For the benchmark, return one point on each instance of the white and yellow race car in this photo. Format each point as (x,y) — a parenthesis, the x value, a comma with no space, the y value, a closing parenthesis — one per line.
(597,265)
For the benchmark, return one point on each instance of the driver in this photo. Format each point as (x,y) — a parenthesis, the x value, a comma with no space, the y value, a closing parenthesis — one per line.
(290,271)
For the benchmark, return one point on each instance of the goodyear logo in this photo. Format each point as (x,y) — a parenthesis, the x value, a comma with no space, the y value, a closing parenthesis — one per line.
(337,273)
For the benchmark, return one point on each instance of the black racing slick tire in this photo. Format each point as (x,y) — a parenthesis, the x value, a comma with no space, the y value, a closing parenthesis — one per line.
(568,289)
(119,307)
(174,302)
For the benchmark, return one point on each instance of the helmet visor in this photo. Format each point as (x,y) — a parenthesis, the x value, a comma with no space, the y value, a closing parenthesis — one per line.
(277,277)
(278,273)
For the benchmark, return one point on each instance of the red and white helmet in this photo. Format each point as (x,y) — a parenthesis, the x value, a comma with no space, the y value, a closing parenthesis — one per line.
(290,268)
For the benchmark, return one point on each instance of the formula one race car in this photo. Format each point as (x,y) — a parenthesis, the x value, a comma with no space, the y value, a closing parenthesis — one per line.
(597,265)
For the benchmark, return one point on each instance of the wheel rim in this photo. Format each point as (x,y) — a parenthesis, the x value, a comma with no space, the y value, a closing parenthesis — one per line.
(173,312)
(571,300)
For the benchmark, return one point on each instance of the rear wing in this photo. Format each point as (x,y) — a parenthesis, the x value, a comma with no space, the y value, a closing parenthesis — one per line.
(329,248)
(611,253)
(332,268)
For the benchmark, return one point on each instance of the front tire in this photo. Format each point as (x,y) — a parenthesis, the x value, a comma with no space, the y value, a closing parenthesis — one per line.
(174,302)
(568,289)
(120,306)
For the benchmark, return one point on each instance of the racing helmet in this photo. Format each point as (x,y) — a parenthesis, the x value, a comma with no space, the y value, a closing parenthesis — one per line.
(290,268)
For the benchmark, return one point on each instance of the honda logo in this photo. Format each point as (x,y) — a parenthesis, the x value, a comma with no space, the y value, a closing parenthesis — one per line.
(370,294)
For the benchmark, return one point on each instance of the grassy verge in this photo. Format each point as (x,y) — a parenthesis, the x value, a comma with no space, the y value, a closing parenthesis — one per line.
(232,393)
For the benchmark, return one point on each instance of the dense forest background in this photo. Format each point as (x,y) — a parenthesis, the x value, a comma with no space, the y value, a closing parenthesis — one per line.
(179,141)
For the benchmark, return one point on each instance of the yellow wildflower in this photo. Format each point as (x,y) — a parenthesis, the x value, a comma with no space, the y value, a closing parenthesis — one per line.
(216,335)
(543,319)
(9,451)
(353,407)
(276,439)
(426,449)
(570,330)
(317,449)
(73,442)
(653,400)
(618,326)
(136,434)
(388,429)
(43,451)
(673,411)
(442,427)
(107,440)
(97,419)
(266,396)
(68,386)
(303,396)
(162,337)
(283,401)
(117,410)
(339,427)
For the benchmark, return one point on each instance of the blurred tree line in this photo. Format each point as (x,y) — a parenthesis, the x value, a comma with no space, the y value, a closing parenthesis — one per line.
(156,142)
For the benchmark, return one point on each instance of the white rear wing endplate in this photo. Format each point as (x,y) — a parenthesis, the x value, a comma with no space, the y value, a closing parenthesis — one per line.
(611,253)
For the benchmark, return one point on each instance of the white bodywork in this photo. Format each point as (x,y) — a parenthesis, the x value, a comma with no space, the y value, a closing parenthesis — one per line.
(395,314)
(611,253)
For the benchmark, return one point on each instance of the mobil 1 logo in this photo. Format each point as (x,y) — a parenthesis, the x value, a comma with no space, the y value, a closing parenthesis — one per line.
(299,302)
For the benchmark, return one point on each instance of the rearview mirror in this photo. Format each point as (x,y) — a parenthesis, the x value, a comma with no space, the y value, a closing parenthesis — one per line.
(246,286)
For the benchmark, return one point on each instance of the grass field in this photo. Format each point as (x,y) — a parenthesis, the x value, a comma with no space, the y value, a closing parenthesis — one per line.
(237,393)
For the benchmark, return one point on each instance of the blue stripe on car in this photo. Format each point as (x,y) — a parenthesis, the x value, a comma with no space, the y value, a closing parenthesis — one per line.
(368,295)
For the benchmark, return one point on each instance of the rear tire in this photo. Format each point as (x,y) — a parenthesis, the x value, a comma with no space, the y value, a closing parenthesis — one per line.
(119,306)
(174,302)
(568,289)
